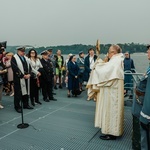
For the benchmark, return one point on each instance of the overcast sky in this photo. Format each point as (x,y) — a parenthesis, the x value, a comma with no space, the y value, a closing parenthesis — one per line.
(67,22)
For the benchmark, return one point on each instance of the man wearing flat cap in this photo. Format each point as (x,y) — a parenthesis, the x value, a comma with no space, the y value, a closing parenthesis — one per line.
(46,78)
(21,70)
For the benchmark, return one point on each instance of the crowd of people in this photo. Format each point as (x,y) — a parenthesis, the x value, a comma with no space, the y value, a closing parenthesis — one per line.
(23,74)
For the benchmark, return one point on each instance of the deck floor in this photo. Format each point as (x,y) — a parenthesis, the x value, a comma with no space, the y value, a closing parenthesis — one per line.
(65,124)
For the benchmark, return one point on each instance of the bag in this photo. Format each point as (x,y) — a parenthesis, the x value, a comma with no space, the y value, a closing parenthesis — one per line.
(38,82)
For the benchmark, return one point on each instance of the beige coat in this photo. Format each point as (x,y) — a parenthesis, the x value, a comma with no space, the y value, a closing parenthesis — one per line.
(9,70)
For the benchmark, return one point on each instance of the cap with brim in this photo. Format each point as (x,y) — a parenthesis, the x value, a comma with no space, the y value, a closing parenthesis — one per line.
(21,49)
(44,53)
(81,52)
(50,50)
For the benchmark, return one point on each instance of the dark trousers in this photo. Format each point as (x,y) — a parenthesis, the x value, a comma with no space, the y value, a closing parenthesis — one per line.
(47,90)
(34,90)
(145,136)
(136,136)
(18,97)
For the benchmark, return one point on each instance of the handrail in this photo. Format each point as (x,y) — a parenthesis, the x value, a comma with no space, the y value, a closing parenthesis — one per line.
(135,77)
(134,73)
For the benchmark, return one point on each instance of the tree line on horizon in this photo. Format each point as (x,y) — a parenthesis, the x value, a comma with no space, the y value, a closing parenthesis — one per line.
(76,48)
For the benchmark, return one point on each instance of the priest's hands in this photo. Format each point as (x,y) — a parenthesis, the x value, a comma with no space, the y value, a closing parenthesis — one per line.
(27,76)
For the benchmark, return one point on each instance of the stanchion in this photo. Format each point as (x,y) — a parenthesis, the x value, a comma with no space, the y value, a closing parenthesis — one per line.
(22,125)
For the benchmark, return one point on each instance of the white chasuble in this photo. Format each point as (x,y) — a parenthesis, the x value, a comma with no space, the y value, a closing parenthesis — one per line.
(106,84)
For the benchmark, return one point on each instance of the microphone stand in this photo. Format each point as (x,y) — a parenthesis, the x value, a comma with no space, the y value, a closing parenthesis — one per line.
(22,125)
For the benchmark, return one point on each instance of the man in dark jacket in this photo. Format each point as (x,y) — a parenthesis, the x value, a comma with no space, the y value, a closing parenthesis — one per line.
(145,112)
(22,71)
(128,68)
(89,63)
(46,78)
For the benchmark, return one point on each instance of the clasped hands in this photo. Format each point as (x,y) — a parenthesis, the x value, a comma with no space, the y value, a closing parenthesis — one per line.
(27,76)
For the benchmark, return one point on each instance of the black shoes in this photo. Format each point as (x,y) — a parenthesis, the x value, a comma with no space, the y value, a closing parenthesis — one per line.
(60,87)
(107,137)
(18,110)
(28,107)
(39,103)
(68,95)
(25,107)
(46,100)
(53,99)
(55,87)
(33,104)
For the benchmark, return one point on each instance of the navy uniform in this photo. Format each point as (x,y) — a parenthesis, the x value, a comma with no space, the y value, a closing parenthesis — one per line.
(145,118)
(145,112)
(136,109)
(46,78)
(22,71)
(80,62)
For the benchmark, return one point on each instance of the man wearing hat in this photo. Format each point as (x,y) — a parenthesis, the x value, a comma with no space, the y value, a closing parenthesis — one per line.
(21,70)
(80,62)
(145,112)
(46,78)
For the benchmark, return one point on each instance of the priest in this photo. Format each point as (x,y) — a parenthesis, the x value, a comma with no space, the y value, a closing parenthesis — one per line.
(22,71)
(106,85)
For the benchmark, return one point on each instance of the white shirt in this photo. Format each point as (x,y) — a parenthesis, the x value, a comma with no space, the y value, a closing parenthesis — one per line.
(35,65)
(91,61)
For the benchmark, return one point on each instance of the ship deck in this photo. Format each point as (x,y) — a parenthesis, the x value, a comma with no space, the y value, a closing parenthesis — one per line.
(65,124)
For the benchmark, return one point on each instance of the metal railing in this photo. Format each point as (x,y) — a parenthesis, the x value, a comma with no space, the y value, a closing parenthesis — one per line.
(131,86)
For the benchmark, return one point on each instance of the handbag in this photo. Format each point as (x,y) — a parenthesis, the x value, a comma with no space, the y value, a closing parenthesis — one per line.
(38,82)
